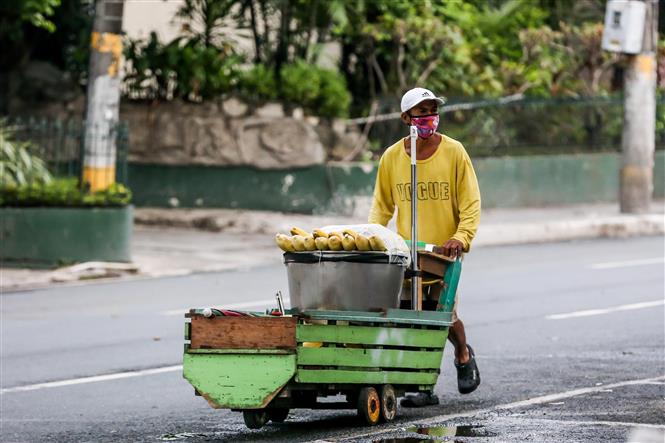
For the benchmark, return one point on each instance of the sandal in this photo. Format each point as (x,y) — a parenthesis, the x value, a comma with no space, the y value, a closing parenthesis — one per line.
(468,376)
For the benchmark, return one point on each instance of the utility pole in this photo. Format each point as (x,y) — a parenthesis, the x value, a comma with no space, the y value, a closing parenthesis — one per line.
(639,125)
(103,95)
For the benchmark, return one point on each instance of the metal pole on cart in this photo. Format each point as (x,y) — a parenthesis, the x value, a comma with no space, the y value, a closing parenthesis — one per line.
(416,302)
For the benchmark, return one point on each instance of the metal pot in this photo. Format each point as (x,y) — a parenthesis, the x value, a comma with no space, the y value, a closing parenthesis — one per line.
(345,281)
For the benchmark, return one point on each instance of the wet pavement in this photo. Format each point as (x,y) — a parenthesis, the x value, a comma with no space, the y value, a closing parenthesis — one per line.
(569,340)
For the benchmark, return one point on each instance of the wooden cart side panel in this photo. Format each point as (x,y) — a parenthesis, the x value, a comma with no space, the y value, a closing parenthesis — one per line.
(336,376)
(243,381)
(243,332)
(369,358)
(383,336)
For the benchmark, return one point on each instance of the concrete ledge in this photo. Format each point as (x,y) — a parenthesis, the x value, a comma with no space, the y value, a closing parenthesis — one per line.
(505,182)
(620,226)
(51,236)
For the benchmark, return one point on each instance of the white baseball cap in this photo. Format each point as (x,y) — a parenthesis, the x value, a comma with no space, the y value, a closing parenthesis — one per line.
(416,95)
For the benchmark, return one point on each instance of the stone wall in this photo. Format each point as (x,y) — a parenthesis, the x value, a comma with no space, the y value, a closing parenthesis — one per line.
(232,133)
(225,132)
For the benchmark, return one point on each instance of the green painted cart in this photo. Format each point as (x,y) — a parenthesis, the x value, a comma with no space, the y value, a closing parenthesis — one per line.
(265,365)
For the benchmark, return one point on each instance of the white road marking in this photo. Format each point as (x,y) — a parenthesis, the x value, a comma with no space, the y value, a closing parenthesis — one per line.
(245,305)
(598,422)
(590,312)
(93,379)
(518,404)
(628,263)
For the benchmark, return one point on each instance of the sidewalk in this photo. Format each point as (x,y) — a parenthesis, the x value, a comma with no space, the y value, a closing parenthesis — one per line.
(171,242)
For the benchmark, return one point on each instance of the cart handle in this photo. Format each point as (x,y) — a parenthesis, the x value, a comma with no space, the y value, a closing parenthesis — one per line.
(450,282)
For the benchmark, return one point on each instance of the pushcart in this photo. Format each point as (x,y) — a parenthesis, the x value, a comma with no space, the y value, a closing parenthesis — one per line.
(265,364)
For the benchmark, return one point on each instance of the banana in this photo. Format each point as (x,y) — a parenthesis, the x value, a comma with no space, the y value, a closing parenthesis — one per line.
(284,242)
(297,231)
(319,233)
(336,234)
(321,243)
(351,232)
(310,244)
(335,243)
(377,243)
(362,243)
(299,243)
(348,243)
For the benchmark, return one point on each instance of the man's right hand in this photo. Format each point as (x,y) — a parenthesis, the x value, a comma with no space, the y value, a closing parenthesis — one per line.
(452,248)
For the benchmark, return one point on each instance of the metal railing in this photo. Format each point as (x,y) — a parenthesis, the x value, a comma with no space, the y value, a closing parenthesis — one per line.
(526,126)
(61,144)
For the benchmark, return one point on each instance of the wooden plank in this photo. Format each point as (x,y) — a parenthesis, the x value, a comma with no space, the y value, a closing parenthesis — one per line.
(433,264)
(365,377)
(396,316)
(369,358)
(243,332)
(404,337)
(242,351)
(434,318)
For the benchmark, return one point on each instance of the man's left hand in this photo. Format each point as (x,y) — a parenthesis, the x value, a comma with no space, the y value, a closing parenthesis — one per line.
(453,248)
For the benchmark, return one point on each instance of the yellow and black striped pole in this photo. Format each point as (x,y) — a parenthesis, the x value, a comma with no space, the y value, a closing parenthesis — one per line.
(103,95)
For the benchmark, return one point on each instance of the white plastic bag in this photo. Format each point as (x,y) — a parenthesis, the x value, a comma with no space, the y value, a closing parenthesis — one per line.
(395,244)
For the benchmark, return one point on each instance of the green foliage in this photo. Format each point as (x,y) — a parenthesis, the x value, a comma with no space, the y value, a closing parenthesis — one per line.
(206,22)
(179,69)
(320,91)
(63,192)
(258,84)
(26,181)
(63,40)
(14,14)
(18,166)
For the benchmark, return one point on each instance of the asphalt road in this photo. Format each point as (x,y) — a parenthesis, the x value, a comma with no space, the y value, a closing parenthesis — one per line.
(570,340)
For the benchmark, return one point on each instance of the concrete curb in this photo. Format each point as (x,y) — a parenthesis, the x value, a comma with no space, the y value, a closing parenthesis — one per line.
(620,226)
(264,225)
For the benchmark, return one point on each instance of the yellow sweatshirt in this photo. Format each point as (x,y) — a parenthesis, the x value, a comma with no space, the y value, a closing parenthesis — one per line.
(448,194)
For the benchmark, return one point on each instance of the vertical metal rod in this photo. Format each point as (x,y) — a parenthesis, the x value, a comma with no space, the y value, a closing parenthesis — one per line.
(280,303)
(415,281)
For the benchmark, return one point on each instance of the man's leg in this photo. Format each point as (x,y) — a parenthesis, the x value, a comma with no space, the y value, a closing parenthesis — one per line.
(457,337)
(468,376)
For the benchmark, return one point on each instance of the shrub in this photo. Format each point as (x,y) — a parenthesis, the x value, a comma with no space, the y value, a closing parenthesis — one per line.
(63,192)
(318,90)
(18,166)
(258,84)
(179,69)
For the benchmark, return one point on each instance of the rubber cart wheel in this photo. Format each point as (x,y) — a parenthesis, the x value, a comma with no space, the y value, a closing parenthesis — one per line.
(278,415)
(255,418)
(369,405)
(388,403)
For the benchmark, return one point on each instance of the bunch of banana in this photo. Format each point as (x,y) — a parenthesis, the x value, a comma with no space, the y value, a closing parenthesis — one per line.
(349,240)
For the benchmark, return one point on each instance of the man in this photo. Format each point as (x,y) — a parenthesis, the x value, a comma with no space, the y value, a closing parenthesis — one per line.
(448,210)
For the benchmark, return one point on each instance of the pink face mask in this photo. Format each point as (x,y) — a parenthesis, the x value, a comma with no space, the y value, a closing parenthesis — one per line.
(426,124)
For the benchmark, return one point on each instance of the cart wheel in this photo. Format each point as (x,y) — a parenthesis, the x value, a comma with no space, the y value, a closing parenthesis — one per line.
(255,418)
(388,403)
(278,415)
(369,405)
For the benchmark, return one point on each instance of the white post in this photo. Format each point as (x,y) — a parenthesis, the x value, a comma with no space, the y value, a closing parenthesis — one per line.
(416,303)
(639,127)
